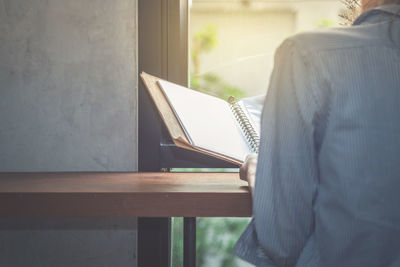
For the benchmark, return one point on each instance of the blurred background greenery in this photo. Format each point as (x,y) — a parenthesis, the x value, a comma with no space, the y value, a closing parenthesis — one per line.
(215,240)
(203,41)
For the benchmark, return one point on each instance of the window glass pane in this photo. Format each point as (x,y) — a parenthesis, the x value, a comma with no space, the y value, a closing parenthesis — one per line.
(232,42)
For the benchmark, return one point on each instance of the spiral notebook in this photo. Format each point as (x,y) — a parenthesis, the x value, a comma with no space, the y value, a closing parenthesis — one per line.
(207,124)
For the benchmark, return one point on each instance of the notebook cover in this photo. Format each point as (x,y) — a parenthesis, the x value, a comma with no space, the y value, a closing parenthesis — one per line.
(171,122)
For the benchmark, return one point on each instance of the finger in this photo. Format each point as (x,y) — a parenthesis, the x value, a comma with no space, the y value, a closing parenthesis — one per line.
(243,172)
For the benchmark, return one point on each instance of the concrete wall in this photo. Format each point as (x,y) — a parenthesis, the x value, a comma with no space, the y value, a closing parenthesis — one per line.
(68,89)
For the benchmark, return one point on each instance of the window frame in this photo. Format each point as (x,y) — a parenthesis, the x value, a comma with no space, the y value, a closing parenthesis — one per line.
(163,45)
(164,52)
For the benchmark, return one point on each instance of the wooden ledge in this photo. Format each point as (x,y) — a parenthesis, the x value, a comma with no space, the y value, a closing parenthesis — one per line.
(123,195)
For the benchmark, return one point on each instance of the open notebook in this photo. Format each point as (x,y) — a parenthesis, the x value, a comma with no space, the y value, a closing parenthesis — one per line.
(225,130)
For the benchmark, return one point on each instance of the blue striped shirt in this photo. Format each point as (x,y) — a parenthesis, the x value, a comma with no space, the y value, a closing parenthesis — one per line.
(327,189)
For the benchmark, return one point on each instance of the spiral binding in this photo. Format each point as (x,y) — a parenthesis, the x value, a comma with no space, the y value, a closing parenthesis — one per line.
(250,133)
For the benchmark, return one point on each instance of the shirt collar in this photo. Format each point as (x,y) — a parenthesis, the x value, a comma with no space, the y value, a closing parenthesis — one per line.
(393,10)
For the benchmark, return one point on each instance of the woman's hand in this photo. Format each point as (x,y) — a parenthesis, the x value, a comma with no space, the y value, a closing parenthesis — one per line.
(248,171)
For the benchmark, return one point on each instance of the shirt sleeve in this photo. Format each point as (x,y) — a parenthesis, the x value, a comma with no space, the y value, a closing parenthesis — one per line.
(286,175)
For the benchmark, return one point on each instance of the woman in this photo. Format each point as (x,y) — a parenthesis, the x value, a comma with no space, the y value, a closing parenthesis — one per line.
(327,189)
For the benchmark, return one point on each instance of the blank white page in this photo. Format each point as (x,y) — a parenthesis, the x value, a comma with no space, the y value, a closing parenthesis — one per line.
(207,120)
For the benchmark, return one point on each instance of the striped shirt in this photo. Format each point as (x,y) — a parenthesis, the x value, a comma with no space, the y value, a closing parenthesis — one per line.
(327,189)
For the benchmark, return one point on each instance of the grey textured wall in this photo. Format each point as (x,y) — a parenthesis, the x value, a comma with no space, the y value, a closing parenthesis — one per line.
(68,89)
(68,85)
(106,242)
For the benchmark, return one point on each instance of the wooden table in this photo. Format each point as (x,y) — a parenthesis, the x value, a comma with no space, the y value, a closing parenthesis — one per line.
(186,195)
(123,194)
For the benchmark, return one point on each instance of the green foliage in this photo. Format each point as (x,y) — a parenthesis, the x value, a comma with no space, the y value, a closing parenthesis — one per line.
(205,41)
(212,84)
(325,23)
(215,239)
(177,242)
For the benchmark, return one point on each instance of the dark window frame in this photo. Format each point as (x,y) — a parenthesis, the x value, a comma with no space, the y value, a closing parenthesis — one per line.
(162,51)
